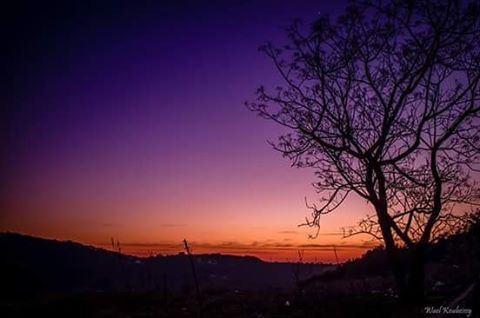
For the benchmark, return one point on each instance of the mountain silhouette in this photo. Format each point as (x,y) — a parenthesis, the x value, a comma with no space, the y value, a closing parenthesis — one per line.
(33,265)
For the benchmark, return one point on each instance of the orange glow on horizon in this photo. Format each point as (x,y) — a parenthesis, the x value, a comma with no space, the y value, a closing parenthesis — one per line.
(323,254)
(232,231)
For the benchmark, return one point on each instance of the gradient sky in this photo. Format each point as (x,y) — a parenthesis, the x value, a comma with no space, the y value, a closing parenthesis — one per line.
(126,120)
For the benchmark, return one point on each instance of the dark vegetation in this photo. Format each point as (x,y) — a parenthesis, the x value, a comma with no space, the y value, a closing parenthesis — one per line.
(68,279)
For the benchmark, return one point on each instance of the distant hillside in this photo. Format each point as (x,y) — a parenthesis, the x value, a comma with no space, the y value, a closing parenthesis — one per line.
(32,265)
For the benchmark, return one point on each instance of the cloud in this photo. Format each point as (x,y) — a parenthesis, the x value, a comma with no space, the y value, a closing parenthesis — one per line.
(226,247)
(109,224)
(288,232)
(338,247)
(172,225)
(319,234)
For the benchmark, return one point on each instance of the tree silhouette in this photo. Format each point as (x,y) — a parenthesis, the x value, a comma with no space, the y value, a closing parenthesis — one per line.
(383,104)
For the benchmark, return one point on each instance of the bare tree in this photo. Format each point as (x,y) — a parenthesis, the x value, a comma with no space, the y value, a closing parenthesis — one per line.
(383,104)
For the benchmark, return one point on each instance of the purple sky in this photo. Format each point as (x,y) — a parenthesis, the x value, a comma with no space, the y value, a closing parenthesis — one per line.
(126,119)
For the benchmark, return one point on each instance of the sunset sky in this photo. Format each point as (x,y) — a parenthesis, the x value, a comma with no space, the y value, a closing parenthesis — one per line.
(126,120)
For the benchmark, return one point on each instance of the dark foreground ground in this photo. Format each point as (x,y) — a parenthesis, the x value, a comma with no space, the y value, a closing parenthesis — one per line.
(45,278)
(271,303)
(224,304)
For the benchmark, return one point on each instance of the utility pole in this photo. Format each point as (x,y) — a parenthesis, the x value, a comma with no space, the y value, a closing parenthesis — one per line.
(336,257)
(194,274)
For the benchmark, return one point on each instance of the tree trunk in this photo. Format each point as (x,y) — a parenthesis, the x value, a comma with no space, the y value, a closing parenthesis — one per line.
(415,288)
(411,293)
(392,252)
(398,271)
